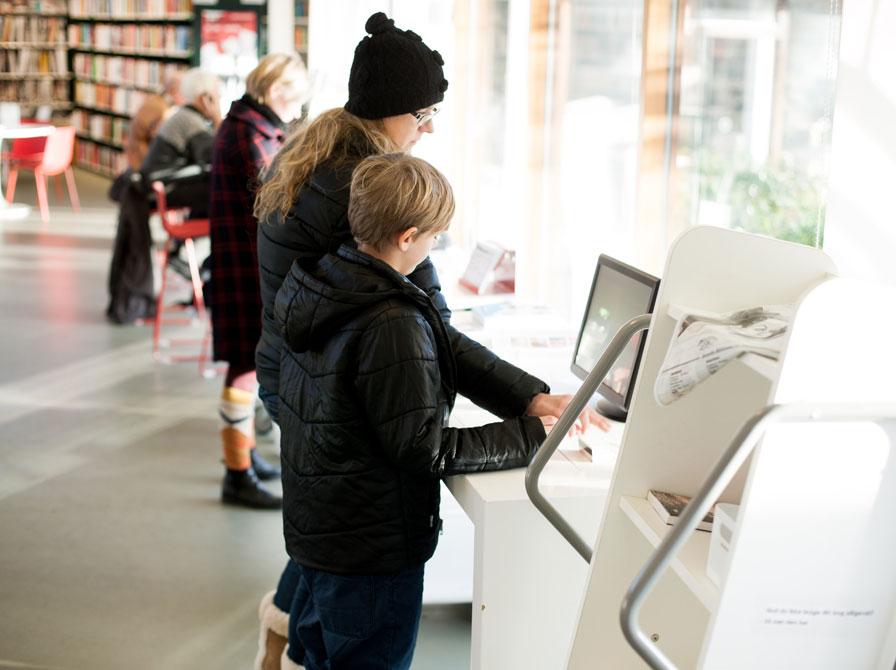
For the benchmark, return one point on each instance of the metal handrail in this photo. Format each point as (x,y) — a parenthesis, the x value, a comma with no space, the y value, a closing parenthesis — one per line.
(740,448)
(565,422)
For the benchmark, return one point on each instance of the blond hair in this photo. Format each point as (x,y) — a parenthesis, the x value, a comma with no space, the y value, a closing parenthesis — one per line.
(268,71)
(394,192)
(336,137)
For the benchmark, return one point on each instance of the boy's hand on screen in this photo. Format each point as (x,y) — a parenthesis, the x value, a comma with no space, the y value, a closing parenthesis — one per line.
(544,405)
(548,423)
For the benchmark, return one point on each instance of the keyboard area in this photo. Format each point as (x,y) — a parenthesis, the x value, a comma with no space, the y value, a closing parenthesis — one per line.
(595,440)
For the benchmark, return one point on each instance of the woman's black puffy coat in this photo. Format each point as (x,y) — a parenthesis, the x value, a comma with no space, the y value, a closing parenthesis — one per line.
(367,382)
(317,224)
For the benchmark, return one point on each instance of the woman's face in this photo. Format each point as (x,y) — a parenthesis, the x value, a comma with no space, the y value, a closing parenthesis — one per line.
(405,130)
(288,94)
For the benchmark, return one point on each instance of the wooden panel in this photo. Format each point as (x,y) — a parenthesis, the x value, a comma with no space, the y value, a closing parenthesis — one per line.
(661,42)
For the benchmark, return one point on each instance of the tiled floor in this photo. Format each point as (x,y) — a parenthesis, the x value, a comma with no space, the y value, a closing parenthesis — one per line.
(114,550)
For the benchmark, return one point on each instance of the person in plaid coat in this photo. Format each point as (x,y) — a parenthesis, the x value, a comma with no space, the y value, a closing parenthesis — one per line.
(245,145)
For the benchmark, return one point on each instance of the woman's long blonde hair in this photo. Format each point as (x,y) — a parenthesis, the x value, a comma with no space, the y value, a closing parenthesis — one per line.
(335,137)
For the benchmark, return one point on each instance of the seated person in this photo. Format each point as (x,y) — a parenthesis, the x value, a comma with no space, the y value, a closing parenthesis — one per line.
(149,117)
(180,155)
(181,152)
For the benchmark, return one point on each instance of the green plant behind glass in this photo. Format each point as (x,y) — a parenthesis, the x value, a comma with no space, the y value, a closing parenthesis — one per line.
(779,202)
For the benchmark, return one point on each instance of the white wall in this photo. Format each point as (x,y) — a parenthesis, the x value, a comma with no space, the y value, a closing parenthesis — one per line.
(860,231)
(335,28)
(281,21)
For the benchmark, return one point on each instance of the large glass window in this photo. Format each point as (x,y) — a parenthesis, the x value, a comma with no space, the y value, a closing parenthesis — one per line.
(578,127)
(591,154)
(757,84)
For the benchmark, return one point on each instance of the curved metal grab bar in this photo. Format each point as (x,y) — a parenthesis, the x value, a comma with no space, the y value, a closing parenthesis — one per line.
(741,447)
(565,422)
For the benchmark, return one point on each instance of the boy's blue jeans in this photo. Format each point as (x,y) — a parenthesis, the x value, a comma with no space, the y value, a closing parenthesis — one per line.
(287,599)
(367,622)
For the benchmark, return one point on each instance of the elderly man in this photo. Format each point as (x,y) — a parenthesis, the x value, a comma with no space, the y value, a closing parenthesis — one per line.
(185,140)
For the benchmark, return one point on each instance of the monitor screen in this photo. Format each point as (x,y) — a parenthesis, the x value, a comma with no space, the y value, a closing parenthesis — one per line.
(619,293)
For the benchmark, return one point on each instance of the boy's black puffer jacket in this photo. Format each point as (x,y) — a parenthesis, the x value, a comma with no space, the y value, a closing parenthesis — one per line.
(367,384)
(316,225)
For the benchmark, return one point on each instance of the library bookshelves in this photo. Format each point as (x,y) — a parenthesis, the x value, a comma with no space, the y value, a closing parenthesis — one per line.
(300,30)
(121,51)
(33,59)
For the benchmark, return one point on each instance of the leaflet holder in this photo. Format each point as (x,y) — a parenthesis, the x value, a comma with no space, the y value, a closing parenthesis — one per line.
(491,269)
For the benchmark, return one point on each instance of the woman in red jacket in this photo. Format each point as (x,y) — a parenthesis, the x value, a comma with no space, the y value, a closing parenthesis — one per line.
(245,144)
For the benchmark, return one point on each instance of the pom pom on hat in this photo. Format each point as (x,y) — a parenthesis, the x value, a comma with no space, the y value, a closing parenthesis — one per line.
(379,23)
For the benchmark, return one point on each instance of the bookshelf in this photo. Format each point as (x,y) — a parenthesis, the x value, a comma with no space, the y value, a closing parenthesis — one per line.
(33,59)
(300,30)
(121,51)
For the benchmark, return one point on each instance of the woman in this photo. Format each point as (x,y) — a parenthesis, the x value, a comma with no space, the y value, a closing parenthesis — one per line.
(395,83)
(245,144)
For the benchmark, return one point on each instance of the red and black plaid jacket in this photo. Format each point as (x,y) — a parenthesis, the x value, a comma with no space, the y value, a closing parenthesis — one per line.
(245,144)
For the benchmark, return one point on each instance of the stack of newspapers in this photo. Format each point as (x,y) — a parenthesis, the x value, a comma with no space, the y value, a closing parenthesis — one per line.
(703,343)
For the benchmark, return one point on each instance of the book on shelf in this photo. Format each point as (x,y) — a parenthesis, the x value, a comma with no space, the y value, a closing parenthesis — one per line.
(99,158)
(129,8)
(32,92)
(670,506)
(32,7)
(32,29)
(161,39)
(25,61)
(115,99)
(124,70)
(99,127)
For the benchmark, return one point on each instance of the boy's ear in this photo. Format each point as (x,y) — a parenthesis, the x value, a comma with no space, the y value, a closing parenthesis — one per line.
(406,237)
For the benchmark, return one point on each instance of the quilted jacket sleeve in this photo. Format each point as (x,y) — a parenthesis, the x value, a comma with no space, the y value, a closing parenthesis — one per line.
(489,381)
(399,388)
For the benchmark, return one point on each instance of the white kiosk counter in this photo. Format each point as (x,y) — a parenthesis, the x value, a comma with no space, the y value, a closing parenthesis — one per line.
(527,580)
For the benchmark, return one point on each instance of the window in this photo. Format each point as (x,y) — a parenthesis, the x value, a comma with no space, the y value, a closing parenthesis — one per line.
(549,134)
(757,85)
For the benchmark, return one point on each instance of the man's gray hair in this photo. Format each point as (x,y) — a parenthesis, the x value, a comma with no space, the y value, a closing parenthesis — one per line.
(196,82)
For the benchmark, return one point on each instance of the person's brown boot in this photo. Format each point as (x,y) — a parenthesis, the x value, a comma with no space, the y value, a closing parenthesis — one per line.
(272,636)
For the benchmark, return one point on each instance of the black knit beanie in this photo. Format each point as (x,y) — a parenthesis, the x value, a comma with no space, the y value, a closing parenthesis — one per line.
(393,72)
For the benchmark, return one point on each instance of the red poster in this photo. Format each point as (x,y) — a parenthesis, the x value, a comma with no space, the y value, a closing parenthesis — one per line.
(229,49)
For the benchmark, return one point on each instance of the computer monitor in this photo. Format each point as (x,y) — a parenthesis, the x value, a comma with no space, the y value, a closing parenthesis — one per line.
(619,293)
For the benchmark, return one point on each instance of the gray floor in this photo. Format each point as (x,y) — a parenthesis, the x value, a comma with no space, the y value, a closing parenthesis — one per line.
(114,550)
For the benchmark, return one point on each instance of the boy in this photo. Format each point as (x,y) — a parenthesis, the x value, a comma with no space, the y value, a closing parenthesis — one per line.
(368,382)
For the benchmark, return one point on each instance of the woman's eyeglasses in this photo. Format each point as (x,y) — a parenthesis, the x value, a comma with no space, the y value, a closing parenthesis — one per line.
(426,116)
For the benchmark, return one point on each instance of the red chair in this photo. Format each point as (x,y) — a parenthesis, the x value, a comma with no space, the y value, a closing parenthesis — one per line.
(27,148)
(54,159)
(184,231)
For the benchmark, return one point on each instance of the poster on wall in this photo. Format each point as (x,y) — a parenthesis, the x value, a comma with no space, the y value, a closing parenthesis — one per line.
(229,49)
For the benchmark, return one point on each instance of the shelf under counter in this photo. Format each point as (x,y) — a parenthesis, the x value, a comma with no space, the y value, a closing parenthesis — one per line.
(690,563)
